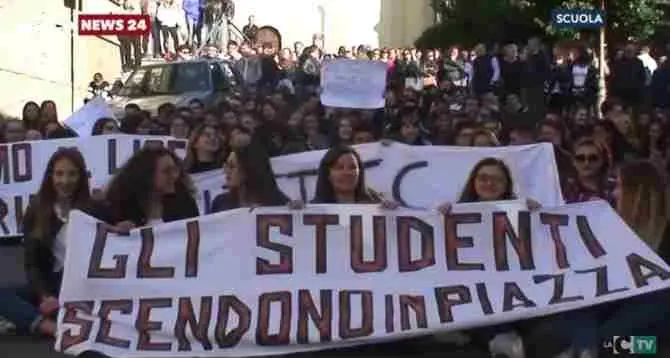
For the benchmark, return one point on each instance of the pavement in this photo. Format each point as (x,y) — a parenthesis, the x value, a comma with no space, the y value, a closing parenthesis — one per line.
(12,273)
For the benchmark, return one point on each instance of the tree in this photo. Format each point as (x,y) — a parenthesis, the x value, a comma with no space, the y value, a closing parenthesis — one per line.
(467,22)
(470,21)
(635,19)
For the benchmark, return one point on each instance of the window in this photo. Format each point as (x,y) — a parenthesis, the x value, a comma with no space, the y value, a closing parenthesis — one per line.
(171,79)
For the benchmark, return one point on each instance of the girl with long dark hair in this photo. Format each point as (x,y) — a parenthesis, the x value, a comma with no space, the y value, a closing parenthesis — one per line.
(31,115)
(491,180)
(151,188)
(250,181)
(48,112)
(65,187)
(341,180)
(105,126)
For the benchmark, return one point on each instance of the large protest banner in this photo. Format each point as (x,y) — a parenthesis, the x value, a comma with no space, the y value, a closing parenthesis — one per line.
(274,281)
(418,177)
(415,176)
(22,167)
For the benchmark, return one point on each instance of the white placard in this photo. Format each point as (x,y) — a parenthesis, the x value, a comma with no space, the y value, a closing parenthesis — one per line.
(83,120)
(353,84)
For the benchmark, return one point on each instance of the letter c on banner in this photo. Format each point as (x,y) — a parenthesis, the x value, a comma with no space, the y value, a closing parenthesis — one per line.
(397,181)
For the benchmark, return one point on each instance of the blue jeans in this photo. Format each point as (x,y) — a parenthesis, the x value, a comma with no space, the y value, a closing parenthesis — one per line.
(19,306)
(648,314)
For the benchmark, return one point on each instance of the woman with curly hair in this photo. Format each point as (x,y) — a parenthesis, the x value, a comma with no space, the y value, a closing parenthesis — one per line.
(151,188)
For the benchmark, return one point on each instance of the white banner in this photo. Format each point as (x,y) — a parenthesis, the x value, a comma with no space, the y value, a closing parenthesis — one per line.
(275,281)
(22,167)
(416,176)
(353,84)
(83,120)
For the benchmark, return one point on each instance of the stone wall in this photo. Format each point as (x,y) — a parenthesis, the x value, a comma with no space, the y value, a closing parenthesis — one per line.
(35,61)
(35,39)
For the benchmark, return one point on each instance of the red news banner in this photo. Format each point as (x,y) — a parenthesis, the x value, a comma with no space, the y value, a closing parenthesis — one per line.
(114,24)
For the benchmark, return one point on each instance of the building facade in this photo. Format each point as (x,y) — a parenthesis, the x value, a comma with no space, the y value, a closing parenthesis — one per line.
(36,62)
(35,37)
(342,22)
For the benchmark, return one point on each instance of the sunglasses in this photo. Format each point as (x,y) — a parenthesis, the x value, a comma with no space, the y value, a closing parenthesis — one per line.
(587,158)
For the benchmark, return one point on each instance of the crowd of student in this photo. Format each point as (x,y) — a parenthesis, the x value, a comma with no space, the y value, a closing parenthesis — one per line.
(486,100)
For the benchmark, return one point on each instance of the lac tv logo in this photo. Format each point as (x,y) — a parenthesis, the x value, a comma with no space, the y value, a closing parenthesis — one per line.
(577,18)
(631,345)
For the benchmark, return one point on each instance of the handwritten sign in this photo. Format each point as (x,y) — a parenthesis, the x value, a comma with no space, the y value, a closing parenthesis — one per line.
(354,84)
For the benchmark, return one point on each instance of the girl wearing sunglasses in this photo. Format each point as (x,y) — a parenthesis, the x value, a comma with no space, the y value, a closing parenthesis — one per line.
(592,181)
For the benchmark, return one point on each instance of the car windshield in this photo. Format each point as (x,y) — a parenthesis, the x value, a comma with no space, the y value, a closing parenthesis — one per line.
(172,79)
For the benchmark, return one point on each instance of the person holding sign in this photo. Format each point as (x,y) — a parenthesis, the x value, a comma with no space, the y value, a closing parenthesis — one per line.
(341,180)
(491,180)
(150,188)
(32,309)
(250,181)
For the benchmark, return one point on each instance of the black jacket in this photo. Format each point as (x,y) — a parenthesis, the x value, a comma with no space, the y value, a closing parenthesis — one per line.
(227,201)
(483,73)
(452,70)
(38,251)
(175,207)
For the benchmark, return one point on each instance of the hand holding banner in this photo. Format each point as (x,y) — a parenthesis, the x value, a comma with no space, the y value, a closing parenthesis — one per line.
(275,281)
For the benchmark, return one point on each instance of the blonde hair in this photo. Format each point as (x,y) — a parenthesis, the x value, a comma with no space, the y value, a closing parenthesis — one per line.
(643,201)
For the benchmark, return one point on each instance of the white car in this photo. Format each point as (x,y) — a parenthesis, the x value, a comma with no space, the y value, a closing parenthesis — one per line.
(178,83)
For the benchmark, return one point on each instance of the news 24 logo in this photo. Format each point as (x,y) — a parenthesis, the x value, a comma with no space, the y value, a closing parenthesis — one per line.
(114,24)
(631,345)
(577,18)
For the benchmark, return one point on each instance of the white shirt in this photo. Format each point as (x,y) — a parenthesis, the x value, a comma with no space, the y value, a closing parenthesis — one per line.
(154,222)
(648,62)
(59,247)
(579,73)
(169,16)
(496,69)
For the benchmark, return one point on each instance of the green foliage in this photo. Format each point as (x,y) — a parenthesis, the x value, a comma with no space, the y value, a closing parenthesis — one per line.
(634,19)
(637,19)
(471,21)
